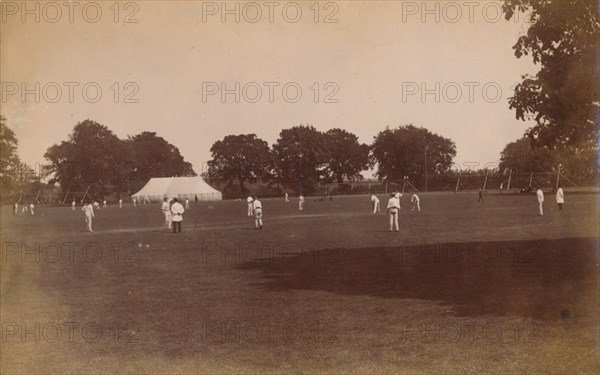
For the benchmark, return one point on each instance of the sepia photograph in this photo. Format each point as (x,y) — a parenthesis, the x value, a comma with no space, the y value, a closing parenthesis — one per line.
(300,187)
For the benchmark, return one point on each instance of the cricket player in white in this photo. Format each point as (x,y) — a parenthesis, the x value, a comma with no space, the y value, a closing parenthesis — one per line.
(31,206)
(393,208)
(177,211)
(187,204)
(301,202)
(540,198)
(287,200)
(249,202)
(416,202)
(560,197)
(166,209)
(257,205)
(134,202)
(73,205)
(97,205)
(375,204)
(104,203)
(16,208)
(120,203)
(88,209)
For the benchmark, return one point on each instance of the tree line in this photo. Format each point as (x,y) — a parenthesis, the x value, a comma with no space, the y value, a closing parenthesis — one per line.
(92,159)
(303,157)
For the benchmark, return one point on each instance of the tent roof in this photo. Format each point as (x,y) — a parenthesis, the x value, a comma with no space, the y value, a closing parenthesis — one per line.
(176,186)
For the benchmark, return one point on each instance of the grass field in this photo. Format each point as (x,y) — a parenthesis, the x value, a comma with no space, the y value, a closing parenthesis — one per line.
(464,287)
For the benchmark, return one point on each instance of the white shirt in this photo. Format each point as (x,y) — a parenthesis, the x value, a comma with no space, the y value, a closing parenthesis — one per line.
(257,205)
(88,209)
(560,196)
(165,206)
(177,210)
(414,198)
(249,200)
(393,202)
(540,196)
(301,198)
(374,199)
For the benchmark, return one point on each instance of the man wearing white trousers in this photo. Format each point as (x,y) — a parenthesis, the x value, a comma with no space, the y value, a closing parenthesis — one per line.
(257,205)
(249,201)
(301,202)
(166,209)
(416,202)
(540,198)
(375,204)
(88,210)
(393,208)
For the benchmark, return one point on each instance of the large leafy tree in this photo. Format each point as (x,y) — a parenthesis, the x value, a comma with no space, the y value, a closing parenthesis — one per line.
(152,156)
(298,158)
(9,161)
(521,157)
(240,158)
(402,152)
(92,157)
(346,157)
(564,38)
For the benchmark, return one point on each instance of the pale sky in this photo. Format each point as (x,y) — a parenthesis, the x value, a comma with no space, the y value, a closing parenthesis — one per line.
(374,54)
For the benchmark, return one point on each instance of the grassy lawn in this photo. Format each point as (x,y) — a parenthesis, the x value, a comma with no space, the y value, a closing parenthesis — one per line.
(464,287)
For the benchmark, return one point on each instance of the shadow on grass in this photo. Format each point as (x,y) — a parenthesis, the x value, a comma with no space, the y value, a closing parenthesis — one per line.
(531,279)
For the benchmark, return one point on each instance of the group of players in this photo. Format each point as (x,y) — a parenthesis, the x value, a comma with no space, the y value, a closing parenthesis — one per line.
(173,210)
(393,207)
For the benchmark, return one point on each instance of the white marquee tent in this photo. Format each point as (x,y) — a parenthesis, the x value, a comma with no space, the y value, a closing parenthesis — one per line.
(180,187)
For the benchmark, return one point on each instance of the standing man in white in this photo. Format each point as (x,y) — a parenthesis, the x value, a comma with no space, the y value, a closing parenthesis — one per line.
(416,202)
(540,198)
(88,210)
(393,208)
(134,202)
(31,206)
(375,204)
(249,202)
(73,205)
(187,204)
(301,202)
(177,211)
(560,197)
(257,205)
(104,203)
(287,199)
(166,209)
(120,203)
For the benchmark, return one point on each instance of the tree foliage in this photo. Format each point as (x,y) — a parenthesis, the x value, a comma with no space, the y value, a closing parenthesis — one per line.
(240,158)
(564,38)
(521,157)
(152,156)
(10,163)
(94,157)
(402,152)
(298,158)
(345,157)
